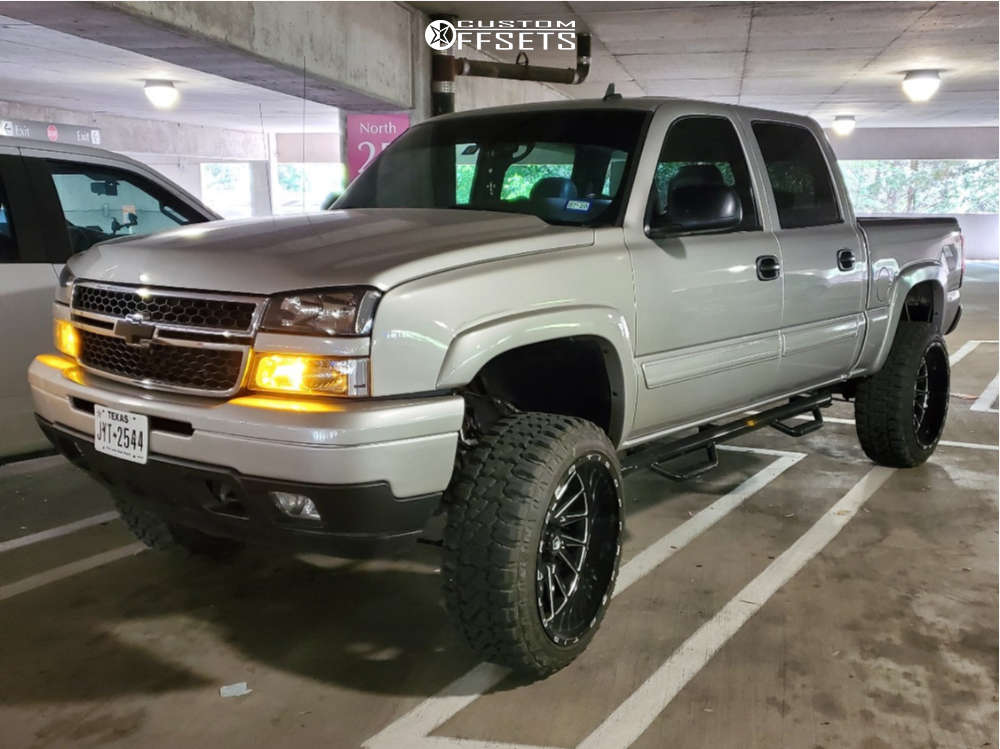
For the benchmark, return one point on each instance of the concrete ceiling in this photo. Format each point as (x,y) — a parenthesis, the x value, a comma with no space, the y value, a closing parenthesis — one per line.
(51,69)
(814,58)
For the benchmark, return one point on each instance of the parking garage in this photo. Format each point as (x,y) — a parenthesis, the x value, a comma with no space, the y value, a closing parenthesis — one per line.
(791,586)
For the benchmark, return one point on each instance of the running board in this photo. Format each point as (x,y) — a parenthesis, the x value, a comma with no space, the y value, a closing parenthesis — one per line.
(657,454)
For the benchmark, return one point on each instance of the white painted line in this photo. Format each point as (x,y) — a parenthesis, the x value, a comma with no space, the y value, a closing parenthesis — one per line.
(61,530)
(942,443)
(660,551)
(412,729)
(967,348)
(985,401)
(32,465)
(628,722)
(68,570)
(970,445)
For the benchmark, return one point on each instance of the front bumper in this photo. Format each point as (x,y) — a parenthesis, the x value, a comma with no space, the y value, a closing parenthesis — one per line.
(360,520)
(375,469)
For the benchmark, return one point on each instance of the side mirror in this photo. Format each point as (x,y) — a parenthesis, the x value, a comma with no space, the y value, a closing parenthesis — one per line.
(695,208)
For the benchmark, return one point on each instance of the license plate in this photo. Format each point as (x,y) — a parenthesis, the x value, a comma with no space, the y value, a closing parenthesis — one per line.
(121,434)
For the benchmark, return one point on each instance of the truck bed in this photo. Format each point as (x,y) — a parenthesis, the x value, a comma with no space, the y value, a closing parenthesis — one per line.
(912,240)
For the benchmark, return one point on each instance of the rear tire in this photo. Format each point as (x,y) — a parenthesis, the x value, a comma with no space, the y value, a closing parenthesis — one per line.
(160,535)
(900,411)
(533,540)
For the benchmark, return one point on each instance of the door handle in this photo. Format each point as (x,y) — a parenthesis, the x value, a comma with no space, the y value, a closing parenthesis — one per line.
(768,268)
(845,259)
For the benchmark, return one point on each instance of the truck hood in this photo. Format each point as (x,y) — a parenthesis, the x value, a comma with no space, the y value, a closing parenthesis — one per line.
(380,247)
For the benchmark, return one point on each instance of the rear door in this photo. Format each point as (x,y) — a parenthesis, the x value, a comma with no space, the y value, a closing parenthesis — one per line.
(707,329)
(824,262)
(27,285)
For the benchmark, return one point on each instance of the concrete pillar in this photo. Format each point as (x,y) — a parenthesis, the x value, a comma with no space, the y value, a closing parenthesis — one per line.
(260,188)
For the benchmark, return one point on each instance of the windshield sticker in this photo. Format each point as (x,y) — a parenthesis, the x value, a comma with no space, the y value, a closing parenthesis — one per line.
(578,205)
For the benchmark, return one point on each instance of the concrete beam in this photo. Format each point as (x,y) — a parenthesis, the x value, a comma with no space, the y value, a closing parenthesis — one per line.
(350,55)
(135,135)
(917,143)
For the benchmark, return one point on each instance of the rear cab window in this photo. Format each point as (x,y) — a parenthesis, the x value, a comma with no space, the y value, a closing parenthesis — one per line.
(100,202)
(800,179)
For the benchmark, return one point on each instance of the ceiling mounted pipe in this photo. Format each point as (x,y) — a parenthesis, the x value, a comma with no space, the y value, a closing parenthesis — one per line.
(445,68)
(517,71)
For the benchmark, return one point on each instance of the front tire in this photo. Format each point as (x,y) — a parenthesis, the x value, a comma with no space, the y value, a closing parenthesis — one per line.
(533,540)
(900,411)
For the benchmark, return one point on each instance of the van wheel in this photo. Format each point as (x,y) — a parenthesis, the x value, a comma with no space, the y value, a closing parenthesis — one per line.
(900,411)
(160,535)
(533,540)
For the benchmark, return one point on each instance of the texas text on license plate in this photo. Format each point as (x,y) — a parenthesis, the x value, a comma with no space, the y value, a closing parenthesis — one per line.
(121,434)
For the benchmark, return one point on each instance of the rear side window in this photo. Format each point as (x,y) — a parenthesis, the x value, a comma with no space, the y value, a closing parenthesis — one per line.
(800,178)
(8,239)
(100,202)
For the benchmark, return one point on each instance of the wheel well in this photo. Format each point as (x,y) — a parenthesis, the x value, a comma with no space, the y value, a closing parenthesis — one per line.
(923,303)
(579,376)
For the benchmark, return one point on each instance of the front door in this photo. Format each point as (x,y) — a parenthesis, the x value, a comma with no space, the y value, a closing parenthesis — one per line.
(707,337)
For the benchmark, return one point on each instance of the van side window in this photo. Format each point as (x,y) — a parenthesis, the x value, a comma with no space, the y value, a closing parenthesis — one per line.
(101,202)
(8,240)
(800,178)
(703,151)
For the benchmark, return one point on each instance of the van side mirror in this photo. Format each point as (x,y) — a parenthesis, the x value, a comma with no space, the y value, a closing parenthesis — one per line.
(696,208)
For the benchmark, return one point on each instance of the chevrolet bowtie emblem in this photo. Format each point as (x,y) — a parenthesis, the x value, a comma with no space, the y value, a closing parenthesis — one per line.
(133,332)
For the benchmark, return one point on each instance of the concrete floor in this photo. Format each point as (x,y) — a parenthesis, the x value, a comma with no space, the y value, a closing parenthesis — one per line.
(882,636)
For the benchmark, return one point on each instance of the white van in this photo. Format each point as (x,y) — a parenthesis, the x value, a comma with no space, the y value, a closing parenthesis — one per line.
(56,200)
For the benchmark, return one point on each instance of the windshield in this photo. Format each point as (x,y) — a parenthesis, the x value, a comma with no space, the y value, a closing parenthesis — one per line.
(564,166)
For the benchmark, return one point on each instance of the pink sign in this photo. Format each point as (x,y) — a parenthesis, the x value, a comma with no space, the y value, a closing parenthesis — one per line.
(367,137)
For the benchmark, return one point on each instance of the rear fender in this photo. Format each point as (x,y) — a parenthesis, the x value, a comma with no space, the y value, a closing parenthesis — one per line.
(907,280)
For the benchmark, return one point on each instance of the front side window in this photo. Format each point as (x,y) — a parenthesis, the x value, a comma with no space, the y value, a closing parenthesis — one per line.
(563,166)
(800,178)
(100,202)
(8,240)
(702,152)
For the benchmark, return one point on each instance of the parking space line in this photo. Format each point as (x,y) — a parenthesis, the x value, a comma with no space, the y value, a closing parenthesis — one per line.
(985,401)
(966,348)
(61,530)
(68,570)
(631,719)
(660,551)
(413,728)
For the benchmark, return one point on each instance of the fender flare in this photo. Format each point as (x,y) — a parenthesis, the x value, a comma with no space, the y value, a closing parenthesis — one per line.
(907,280)
(474,347)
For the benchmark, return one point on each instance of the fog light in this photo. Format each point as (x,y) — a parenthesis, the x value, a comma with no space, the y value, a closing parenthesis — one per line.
(295,505)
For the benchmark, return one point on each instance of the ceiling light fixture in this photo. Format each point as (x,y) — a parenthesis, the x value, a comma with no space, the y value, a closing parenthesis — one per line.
(161,94)
(843,124)
(921,85)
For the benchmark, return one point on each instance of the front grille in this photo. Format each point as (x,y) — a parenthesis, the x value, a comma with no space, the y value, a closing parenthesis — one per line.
(194,311)
(208,369)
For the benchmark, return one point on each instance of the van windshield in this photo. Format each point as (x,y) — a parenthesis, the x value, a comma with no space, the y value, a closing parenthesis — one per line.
(564,166)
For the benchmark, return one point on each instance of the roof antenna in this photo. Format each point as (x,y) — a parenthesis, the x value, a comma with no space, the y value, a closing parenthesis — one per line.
(610,94)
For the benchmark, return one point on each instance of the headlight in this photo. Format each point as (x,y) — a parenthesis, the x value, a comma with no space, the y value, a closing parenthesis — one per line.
(309,375)
(67,340)
(64,293)
(334,312)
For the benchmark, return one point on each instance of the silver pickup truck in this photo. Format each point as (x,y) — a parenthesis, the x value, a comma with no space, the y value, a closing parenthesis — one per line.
(501,307)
